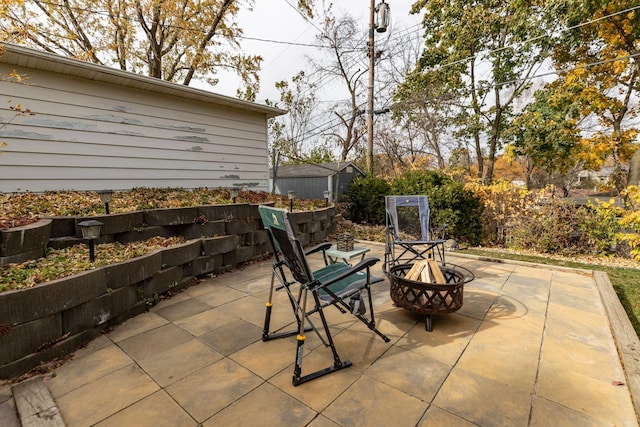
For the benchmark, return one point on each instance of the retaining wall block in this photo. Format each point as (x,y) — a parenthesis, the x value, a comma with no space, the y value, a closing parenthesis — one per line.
(322,214)
(263,249)
(18,240)
(62,226)
(327,224)
(220,245)
(227,212)
(133,271)
(205,265)
(185,283)
(301,217)
(319,236)
(240,255)
(304,238)
(145,233)
(314,226)
(181,254)
(65,242)
(255,238)
(58,349)
(19,258)
(115,223)
(99,311)
(21,340)
(24,305)
(171,216)
(243,226)
(197,231)
(163,281)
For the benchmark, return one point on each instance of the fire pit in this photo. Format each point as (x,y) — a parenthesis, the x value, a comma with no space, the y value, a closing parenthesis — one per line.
(429,298)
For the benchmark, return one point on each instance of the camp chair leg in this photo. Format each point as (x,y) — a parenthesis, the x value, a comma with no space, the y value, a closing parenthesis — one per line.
(337,363)
(371,324)
(266,336)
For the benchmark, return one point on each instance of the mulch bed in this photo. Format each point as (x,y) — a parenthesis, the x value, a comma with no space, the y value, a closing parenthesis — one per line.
(16,222)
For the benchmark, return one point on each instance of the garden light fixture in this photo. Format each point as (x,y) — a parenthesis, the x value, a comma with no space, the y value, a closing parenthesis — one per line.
(292,195)
(105,196)
(327,194)
(90,231)
(233,192)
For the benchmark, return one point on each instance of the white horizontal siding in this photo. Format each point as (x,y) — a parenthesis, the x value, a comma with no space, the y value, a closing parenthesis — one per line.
(85,135)
(89,184)
(221,154)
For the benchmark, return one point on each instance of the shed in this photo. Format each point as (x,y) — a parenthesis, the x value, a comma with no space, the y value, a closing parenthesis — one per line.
(310,181)
(93,127)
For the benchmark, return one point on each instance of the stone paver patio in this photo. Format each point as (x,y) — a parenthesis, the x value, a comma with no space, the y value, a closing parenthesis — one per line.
(531,346)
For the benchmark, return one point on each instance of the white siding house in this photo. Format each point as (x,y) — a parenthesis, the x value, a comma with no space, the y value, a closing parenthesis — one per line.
(95,128)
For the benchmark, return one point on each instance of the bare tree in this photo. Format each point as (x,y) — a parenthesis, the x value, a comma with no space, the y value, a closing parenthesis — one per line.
(170,40)
(343,62)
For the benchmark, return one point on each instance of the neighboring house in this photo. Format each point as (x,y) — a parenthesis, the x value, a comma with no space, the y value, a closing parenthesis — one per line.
(311,181)
(96,128)
(601,176)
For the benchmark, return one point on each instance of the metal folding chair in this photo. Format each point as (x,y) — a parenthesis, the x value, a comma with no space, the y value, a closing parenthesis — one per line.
(310,292)
(408,233)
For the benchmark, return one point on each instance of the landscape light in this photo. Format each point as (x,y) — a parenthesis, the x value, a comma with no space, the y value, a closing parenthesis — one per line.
(292,195)
(234,194)
(90,231)
(105,196)
(326,197)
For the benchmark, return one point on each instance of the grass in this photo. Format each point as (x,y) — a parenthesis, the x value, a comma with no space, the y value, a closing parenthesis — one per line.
(625,281)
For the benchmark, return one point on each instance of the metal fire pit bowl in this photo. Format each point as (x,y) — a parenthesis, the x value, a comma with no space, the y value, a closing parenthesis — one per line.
(429,298)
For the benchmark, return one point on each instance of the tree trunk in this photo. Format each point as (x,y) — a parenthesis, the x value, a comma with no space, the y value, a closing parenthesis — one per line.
(633,178)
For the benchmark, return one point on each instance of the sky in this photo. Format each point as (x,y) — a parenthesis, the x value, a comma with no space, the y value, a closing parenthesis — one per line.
(278,20)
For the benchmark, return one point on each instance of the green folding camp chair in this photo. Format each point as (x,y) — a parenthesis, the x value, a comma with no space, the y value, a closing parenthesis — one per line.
(310,292)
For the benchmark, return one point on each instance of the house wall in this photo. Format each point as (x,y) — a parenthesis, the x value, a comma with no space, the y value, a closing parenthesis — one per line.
(88,135)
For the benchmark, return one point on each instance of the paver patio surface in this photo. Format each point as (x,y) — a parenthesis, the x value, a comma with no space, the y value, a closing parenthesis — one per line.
(531,346)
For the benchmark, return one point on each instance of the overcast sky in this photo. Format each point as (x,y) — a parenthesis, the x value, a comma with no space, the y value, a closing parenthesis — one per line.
(278,20)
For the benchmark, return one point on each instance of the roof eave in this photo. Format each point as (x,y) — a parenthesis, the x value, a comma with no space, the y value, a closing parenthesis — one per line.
(44,61)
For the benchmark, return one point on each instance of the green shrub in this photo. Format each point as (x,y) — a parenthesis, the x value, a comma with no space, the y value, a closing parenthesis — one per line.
(549,226)
(449,201)
(502,204)
(365,200)
(599,225)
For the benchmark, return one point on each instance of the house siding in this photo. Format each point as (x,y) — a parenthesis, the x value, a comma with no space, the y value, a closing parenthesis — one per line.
(91,135)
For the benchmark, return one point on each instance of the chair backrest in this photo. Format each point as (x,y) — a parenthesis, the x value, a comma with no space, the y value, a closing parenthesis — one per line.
(408,217)
(285,242)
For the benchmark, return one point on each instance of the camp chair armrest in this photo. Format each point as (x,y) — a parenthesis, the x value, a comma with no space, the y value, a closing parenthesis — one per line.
(366,263)
(321,247)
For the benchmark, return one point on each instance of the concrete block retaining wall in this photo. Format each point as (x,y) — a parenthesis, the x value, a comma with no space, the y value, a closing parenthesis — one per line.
(54,319)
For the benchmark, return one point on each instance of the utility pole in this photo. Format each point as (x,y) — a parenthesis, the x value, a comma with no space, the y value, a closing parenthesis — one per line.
(378,21)
(371,47)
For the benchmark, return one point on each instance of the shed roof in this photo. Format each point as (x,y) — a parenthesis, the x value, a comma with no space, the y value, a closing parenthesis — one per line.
(313,170)
(50,62)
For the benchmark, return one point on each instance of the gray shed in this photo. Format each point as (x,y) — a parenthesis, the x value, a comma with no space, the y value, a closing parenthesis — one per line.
(95,127)
(311,181)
